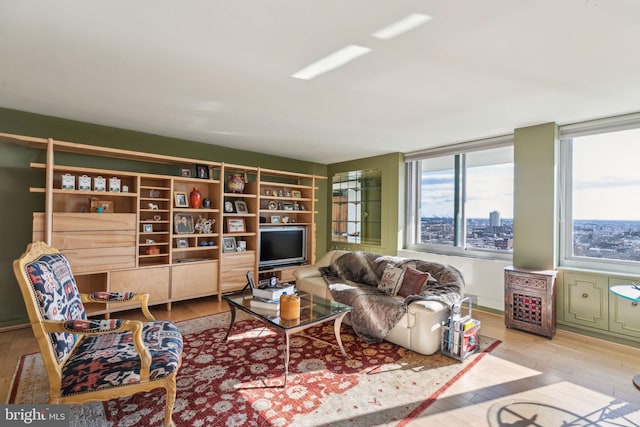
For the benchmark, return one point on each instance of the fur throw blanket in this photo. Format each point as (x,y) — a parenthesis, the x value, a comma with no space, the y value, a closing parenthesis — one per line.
(353,279)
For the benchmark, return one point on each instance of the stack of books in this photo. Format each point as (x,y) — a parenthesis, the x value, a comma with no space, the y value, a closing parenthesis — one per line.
(266,304)
(273,293)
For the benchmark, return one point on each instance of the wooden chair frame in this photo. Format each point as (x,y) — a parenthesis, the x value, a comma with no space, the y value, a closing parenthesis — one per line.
(42,328)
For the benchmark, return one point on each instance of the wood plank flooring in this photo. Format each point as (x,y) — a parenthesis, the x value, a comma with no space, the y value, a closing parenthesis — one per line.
(571,380)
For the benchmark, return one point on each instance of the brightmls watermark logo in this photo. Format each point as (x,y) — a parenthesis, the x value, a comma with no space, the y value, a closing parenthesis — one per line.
(34,415)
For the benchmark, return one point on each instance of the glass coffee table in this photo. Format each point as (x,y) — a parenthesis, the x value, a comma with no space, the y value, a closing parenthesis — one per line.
(314,310)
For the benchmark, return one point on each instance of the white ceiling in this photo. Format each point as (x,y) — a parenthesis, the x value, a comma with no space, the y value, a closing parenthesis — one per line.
(219,71)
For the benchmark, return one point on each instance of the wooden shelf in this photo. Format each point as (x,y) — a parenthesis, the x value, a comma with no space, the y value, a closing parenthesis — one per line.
(108,250)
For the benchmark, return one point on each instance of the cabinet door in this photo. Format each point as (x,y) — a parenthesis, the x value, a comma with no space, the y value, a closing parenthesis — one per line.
(234,270)
(154,281)
(586,300)
(194,280)
(624,314)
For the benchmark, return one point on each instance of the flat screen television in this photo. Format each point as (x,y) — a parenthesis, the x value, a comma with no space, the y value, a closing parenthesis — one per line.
(282,246)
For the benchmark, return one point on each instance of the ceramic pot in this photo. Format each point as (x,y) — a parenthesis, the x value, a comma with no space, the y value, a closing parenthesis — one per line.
(206,203)
(195,198)
(235,183)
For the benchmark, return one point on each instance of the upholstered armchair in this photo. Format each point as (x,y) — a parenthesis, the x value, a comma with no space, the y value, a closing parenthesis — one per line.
(93,360)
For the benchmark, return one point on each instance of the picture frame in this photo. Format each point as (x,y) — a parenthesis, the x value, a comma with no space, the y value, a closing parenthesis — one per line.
(241,207)
(202,171)
(182,243)
(229,244)
(185,172)
(275,219)
(287,206)
(147,228)
(183,223)
(296,194)
(101,206)
(180,199)
(236,225)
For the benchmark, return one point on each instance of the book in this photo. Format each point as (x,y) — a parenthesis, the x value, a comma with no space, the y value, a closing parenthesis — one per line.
(265,304)
(470,336)
(275,292)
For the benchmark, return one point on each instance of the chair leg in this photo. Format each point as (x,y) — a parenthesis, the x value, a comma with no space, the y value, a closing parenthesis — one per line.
(171,399)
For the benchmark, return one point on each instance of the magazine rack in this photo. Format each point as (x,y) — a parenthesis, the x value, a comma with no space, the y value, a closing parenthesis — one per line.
(460,333)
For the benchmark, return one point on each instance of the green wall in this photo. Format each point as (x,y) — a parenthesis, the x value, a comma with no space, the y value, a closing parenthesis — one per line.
(16,177)
(393,182)
(535,213)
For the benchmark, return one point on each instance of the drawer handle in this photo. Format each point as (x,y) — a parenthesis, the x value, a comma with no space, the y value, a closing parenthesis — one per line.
(585,295)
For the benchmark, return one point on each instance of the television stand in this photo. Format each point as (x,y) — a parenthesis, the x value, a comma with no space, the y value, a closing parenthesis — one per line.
(283,273)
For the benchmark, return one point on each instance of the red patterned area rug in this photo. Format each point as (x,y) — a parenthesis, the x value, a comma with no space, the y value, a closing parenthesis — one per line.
(239,382)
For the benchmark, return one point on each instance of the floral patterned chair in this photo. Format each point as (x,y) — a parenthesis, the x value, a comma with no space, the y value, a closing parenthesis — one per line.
(94,360)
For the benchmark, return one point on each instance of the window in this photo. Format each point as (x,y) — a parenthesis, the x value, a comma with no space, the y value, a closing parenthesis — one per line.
(601,181)
(460,199)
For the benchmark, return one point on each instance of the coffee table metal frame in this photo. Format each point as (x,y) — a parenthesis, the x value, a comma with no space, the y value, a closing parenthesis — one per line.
(314,310)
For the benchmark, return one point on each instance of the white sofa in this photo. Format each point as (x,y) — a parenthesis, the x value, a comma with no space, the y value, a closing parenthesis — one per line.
(418,330)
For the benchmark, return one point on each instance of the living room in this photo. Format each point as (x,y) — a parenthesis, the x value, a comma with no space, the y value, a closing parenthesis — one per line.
(59,114)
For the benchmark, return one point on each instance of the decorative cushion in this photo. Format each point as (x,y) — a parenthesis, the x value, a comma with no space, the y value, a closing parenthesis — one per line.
(58,297)
(111,360)
(391,280)
(413,281)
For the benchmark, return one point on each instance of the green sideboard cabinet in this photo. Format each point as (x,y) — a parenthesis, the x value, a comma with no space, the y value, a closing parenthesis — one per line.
(587,304)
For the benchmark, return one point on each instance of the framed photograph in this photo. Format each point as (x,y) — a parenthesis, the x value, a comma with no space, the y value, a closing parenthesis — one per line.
(185,172)
(183,223)
(275,219)
(182,243)
(296,194)
(181,200)
(241,207)
(228,244)
(235,225)
(202,171)
(106,205)
(287,206)
(147,228)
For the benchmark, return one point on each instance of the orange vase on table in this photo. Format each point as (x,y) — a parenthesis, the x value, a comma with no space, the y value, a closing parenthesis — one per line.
(289,307)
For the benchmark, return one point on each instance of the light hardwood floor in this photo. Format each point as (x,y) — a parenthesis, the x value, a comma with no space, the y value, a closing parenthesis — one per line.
(571,380)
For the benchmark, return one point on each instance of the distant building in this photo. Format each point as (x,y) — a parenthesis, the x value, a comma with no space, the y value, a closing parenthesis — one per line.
(494,219)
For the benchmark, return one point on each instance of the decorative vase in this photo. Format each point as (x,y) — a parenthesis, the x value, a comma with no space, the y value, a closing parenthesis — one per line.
(195,198)
(289,306)
(206,203)
(235,183)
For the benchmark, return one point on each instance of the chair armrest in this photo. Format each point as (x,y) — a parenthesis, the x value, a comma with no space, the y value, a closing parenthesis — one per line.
(120,297)
(306,272)
(95,327)
(324,261)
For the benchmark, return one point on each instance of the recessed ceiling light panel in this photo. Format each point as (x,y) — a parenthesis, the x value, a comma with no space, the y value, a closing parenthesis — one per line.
(402,26)
(333,61)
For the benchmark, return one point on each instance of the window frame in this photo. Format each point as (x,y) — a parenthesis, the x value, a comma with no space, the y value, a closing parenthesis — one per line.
(566,258)
(413,172)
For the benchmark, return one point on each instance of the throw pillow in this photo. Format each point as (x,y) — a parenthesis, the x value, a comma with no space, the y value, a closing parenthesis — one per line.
(391,280)
(413,281)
